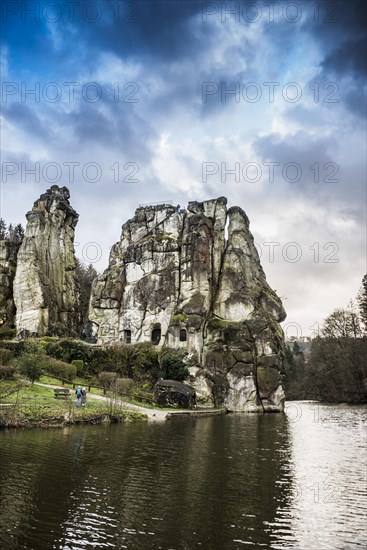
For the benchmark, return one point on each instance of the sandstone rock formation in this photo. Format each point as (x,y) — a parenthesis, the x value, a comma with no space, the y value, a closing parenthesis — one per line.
(192,279)
(8,264)
(45,290)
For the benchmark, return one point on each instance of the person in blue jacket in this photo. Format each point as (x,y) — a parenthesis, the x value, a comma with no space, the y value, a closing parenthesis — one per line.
(78,393)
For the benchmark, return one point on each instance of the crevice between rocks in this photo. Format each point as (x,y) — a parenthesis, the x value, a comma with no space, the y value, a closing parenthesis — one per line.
(258,398)
(180,245)
(216,287)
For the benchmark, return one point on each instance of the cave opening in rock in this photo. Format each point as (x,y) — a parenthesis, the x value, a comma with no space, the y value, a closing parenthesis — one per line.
(127,336)
(183,335)
(156,335)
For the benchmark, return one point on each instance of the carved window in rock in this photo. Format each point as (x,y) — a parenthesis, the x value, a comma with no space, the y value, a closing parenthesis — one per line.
(156,336)
(127,336)
(183,335)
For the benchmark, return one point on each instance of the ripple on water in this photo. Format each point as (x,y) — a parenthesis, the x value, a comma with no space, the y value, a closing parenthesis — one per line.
(240,481)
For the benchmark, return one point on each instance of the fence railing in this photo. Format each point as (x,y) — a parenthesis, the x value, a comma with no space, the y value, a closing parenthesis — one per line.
(105,390)
(74,384)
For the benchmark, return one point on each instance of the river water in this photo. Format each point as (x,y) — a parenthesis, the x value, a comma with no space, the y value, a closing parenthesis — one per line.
(294,481)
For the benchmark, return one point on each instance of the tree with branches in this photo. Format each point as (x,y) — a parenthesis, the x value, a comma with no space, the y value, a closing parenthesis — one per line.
(3,230)
(362,303)
(342,323)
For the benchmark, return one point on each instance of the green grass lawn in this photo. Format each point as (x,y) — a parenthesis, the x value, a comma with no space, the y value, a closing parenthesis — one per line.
(78,381)
(35,404)
(85,383)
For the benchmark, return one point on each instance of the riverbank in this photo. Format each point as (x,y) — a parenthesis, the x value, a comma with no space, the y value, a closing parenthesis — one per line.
(22,419)
(36,407)
(149,413)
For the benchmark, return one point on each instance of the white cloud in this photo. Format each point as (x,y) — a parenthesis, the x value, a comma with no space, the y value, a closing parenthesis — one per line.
(170,133)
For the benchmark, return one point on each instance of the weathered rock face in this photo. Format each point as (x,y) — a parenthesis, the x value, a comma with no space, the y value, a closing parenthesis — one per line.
(45,290)
(8,264)
(176,279)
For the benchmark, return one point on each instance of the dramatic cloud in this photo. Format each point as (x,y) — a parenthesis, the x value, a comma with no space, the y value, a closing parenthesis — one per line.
(136,102)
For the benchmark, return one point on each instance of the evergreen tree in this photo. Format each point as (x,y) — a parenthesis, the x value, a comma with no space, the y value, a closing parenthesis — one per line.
(3,230)
(296,349)
(85,277)
(19,233)
(11,232)
(294,365)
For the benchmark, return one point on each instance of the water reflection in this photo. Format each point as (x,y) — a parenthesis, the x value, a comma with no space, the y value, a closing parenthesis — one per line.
(330,467)
(218,483)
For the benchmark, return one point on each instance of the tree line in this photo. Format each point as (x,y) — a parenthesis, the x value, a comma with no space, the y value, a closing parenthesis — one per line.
(85,276)
(12,233)
(335,369)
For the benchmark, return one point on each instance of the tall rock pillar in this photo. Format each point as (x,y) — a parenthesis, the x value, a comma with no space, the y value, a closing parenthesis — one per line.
(45,287)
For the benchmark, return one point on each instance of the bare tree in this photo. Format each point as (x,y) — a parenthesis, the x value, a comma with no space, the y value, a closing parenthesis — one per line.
(362,303)
(342,323)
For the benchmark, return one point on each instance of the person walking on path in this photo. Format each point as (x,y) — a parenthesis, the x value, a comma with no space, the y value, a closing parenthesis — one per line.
(78,393)
(84,397)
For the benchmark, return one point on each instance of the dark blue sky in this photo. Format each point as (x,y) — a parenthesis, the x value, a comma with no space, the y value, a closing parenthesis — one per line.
(135,97)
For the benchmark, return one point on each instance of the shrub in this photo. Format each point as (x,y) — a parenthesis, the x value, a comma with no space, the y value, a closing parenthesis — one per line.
(32,346)
(107,379)
(60,369)
(113,358)
(112,381)
(145,365)
(67,350)
(173,367)
(5,356)
(179,318)
(18,347)
(79,365)
(130,360)
(7,372)
(47,339)
(7,333)
(124,385)
(31,365)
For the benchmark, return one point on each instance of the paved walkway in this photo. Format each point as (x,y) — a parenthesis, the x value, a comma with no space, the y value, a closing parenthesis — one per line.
(154,415)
